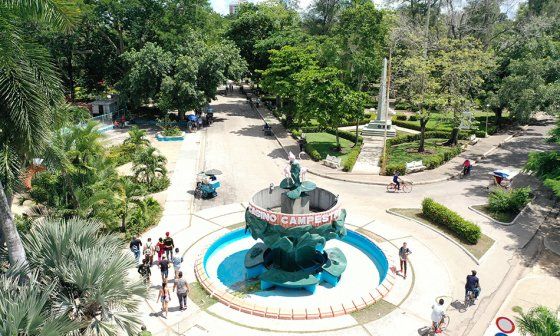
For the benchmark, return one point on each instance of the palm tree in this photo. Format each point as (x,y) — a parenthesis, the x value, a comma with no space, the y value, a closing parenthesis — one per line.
(539,321)
(128,195)
(137,137)
(148,165)
(86,269)
(29,86)
(28,309)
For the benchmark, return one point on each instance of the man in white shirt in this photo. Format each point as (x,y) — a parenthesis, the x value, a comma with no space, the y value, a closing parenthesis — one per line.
(438,312)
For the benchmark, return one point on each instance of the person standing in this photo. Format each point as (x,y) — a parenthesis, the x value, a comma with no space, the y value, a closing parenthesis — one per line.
(177,260)
(404,251)
(169,245)
(182,291)
(135,247)
(149,251)
(165,297)
(160,248)
(164,268)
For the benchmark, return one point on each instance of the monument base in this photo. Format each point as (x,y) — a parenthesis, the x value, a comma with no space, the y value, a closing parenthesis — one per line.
(377,128)
(298,206)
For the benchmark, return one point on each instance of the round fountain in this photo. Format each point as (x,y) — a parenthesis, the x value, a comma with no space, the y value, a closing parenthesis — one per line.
(295,247)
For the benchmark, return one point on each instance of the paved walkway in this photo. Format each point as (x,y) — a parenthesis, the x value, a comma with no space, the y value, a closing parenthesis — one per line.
(235,144)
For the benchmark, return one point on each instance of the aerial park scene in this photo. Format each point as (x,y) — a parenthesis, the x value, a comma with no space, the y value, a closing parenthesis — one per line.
(280,167)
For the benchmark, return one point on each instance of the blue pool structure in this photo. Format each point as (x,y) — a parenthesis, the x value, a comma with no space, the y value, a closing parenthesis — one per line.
(224,261)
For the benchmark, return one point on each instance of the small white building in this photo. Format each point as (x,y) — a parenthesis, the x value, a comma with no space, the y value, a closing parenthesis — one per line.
(234,5)
(104,106)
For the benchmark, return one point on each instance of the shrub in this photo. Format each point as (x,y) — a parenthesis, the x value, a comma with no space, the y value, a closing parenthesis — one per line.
(413,118)
(147,213)
(296,133)
(391,168)
(512,200)
(443,216)
(121,154)
(313,153)
(352,157)
(480,134)
(172,131)
(159,184)
(401,117)
(402,105)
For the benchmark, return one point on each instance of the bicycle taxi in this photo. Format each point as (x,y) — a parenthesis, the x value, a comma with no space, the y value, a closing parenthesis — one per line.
(502,178)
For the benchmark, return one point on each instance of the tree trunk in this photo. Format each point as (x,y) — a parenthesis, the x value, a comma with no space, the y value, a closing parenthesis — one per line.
(337,140)
(423,123)
(453,138)
(16,253)
(498,113)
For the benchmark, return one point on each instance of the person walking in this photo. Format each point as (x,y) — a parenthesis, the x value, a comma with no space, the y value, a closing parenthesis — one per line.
(164,268)
(145,271)
(149,251)
(165,297)
(160,249)
(182,290)
(404,251)
(135,247)
(177,261)
(169,245)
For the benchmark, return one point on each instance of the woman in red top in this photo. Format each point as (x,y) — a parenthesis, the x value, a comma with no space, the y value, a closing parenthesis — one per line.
(160,249)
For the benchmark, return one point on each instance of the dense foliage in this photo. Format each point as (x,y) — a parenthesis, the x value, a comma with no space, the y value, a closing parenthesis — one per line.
(511,200)
(443,216)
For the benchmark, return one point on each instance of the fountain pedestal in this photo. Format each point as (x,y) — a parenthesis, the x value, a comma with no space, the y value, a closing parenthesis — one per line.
(294,206)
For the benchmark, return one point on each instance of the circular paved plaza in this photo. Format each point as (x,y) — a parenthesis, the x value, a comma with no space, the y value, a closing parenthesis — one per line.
(235,144)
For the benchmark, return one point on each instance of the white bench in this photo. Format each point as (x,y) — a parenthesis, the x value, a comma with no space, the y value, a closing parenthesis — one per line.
(414,166)
(473,139)
(332,161)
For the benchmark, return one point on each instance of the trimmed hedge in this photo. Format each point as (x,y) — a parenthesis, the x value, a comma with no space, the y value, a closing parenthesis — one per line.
(413,118)
(351,136)
(401,117)
(443,216)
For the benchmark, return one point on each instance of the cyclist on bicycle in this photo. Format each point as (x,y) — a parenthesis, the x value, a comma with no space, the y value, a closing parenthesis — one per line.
(472,285)
(438,313)
(396,180)
(467,166)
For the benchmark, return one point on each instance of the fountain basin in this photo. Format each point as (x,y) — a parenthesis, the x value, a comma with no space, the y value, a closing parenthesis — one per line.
(221,270)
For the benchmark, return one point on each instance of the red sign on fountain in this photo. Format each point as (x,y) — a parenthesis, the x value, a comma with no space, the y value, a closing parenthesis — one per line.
(291,220)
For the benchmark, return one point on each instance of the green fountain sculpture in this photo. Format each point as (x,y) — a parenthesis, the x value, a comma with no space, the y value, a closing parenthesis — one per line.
(292,254)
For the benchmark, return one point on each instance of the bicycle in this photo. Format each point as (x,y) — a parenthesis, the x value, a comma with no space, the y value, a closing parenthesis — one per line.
(469,299)
(405,187)
(442,326)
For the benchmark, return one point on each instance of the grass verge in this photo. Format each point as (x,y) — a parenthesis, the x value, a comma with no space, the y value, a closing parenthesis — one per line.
(478,249)
(504,217)
(199,296)
(373,312)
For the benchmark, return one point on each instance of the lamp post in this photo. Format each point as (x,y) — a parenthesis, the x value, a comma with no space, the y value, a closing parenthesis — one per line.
(487,109)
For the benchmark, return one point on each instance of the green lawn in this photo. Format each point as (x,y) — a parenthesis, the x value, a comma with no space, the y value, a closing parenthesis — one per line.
(441,122)
(407,152)
(325,143)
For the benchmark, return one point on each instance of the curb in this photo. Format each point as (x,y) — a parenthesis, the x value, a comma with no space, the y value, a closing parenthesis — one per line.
(475,259)
(497,221)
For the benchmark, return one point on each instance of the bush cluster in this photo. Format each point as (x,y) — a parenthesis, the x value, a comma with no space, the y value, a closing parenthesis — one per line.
(512,200)
(121,154)
(142,217)
(401,117)
(443,216)
(413,118)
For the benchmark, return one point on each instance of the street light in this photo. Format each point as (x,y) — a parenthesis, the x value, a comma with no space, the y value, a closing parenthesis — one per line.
(487,108)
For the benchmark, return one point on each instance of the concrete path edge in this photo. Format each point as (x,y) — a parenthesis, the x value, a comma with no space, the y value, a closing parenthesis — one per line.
(475,259)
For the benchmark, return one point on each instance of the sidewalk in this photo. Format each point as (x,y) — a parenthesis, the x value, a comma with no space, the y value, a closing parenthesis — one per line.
(447,171)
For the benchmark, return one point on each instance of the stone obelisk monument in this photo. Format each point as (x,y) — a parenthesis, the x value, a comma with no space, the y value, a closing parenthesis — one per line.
(377,126)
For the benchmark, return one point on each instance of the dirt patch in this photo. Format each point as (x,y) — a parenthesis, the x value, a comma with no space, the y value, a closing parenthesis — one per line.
(199,296)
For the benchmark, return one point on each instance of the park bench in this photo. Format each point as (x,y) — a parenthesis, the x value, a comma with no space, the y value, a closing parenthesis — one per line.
(473,139)
(332,161)
(414,166)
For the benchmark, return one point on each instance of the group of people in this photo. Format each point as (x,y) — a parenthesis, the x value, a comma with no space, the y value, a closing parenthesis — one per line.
(167,255)
(472,288)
